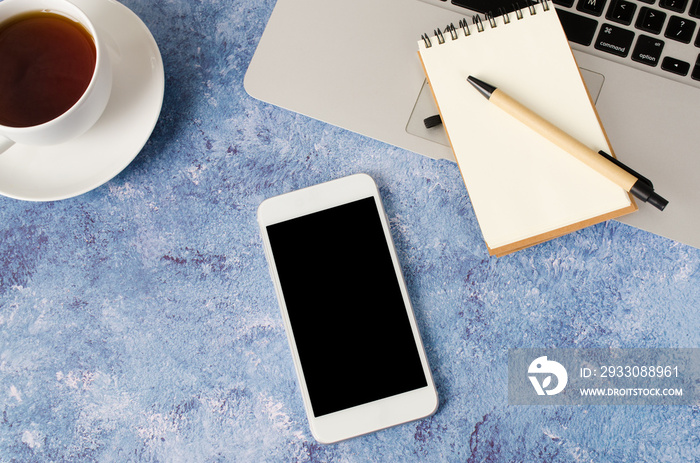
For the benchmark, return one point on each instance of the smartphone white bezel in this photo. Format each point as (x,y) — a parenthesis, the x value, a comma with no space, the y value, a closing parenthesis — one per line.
(371,416)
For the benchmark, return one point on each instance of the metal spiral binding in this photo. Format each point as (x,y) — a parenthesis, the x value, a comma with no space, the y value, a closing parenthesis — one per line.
(505,15)
(491,20)
(439,36)
(518,13)
(465,27)
(476,20)
(479,24)
(453,32)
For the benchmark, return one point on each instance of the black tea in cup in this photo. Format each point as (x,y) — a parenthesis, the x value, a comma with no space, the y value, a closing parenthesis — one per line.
(46,63)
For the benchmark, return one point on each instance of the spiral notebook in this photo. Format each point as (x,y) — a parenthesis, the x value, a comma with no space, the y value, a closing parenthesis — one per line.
(523,188)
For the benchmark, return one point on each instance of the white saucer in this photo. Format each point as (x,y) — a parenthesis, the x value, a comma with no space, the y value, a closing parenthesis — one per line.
(78,166)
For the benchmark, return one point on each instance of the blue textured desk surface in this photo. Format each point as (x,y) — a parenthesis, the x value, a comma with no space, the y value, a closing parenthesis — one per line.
(138,322)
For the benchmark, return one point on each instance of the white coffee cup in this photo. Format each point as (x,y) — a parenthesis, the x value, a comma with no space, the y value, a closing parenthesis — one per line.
(88,108)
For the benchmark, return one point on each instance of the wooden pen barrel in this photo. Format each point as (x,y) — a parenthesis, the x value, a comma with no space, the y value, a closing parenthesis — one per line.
(563,140)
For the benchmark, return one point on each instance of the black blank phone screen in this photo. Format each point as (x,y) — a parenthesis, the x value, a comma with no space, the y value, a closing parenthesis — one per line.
(348,317)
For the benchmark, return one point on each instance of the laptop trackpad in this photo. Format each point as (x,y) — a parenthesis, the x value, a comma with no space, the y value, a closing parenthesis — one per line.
(425,107)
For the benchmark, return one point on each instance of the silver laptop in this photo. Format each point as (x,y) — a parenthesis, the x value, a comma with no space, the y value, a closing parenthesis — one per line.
(355,65)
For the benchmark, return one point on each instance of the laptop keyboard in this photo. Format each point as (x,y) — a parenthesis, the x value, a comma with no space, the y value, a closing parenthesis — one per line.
(657,36)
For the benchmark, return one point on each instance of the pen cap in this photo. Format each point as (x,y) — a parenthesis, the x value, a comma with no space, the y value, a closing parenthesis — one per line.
(644,190)
(657,201)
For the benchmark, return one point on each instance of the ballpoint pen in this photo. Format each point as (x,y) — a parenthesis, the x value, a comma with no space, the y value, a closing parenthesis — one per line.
(602,162)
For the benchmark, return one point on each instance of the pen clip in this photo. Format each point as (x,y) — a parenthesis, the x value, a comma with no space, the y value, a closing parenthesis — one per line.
(624,167)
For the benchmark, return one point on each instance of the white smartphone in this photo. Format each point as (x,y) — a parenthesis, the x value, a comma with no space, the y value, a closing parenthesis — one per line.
(357,351)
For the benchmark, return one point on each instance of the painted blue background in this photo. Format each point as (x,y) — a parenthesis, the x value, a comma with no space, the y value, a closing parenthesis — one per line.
(138,321)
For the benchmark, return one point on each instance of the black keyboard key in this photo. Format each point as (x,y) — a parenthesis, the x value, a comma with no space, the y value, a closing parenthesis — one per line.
(696,69)
(648,50)
(578,29)
(650,2)
(694,10)
(594,7)
(621,11)
(490,6)
(567,3)
(675,5)
(650,20)
(680,29)
(675,66)
(615,40)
